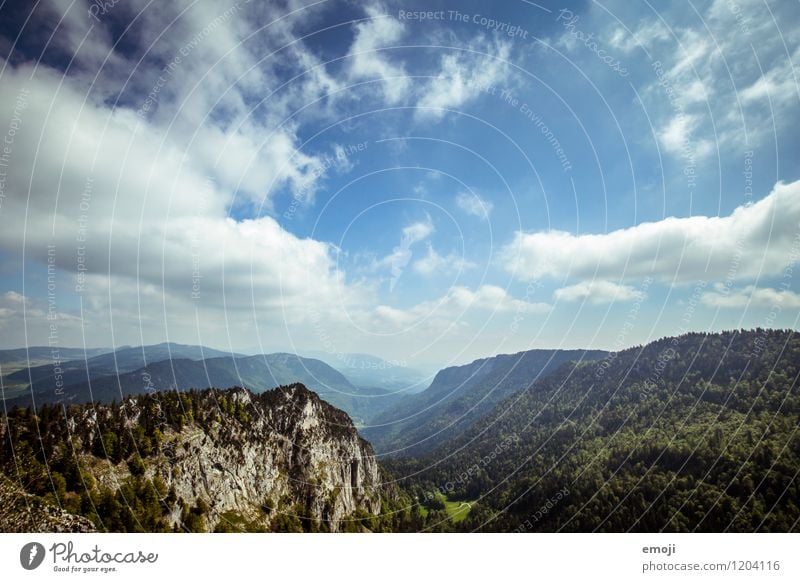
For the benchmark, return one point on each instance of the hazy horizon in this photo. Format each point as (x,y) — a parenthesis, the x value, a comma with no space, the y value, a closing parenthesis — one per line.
(428,188)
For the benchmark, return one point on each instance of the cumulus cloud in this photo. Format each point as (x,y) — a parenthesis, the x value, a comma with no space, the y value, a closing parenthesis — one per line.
(18,311)
(648,34)
(434,263)
(750,296)
(12,306)
(598,292)
(451,307)
(754,239)
(417,231)
(368,62)
(401,254)
(474,205)
(145,208)
(678,137)
(749,88)
(463,76)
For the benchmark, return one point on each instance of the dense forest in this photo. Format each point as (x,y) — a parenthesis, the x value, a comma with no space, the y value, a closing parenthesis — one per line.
(103,461)
(694,433)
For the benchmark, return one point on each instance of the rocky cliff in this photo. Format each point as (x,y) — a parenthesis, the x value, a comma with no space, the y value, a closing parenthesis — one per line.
(209,460)
(21,512)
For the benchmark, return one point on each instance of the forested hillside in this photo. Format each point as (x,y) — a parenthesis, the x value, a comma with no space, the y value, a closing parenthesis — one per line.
(461,395)
(212,460)
(695,433)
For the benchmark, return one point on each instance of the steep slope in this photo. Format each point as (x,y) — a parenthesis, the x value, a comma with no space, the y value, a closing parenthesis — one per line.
(694,433)
(21,512)
(461,395)
(203,460)
(258,373)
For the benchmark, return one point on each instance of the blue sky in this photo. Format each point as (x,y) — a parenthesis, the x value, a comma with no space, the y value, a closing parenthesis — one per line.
(431,187)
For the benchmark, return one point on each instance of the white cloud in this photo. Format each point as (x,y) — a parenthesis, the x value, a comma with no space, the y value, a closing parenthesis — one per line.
(775,87)
(368,62)
(434,263)
(463,77)
(756,239)
(751,296)
(449,309)
(493,298)
(722,66)
(647,35)
(678,137)
(416,232)
(20,312)
(695,49)
(152,212)
(474,205)
(598,292)
(403,253)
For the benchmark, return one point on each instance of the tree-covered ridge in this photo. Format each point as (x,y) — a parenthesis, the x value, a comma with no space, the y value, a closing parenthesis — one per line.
(118,464)
(694,433)
(460,396)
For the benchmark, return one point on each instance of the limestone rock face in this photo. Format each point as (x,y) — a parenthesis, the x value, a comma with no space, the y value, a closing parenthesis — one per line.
(282,450)
(21,512)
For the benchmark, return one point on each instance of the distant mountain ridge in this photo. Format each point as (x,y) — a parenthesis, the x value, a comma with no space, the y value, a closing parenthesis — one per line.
(46,353)
(257,373)
(689,433)
(125,359)
(460,395)
(372,371)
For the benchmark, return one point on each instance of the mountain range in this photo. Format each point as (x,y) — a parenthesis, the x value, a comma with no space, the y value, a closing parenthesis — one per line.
(461,395)
(147,369)
(690,433)
(372,371)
